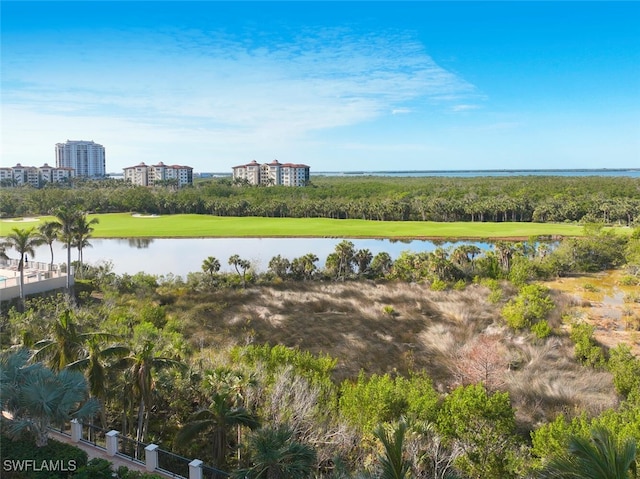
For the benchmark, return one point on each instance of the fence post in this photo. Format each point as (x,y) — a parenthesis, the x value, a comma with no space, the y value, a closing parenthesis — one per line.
(195,469)
(76,430)
(151,457)
(112,442)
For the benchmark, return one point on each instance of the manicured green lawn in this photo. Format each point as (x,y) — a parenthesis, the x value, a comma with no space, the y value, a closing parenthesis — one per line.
(125,225)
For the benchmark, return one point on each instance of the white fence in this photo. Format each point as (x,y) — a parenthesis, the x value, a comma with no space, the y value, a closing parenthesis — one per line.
(155,459)
(38,278)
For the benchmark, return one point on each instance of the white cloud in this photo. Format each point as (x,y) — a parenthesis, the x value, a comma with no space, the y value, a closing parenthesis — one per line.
(183,88)
(458,108)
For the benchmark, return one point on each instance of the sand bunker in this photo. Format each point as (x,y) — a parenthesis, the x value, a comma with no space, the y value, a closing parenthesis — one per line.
(21,220)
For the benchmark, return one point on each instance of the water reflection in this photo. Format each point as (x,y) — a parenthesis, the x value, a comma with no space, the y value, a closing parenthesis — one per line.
(180,256)
(140,243)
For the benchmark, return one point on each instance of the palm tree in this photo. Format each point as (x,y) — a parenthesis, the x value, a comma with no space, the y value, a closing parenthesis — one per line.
(279,266)
(65,344)
(218,419)
(599,457)
(393,463)
(276,455)
(345,252)
(82,230)
(67,218)
(240,264)
(463,256)
(304,267)
(93,364)
(34,397)
(24,242)
(382,264)
(235,385)
(48,233)
(363,258)
(505,252)
(140,368)
(211,265)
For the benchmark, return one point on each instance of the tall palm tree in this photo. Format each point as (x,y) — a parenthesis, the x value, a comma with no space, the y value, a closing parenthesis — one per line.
(140,367)
(65,344)
(599,457)
(81,233)
(67,218)
(48,233)
(235,385)
(94,364)
(24,242)
(276,455)
(218,420)
(345,252)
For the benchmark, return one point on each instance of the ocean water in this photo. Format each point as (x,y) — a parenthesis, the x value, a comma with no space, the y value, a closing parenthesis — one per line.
(629,172)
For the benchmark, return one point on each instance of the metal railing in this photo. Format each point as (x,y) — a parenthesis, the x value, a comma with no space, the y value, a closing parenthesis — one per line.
(64,428)
(95,435)
(165,462)
(172,464)
(209,472)
(131,448)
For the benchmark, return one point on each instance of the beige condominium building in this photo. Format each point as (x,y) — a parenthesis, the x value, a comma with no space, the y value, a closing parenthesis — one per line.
(36,176)
(272,174)
(150,175)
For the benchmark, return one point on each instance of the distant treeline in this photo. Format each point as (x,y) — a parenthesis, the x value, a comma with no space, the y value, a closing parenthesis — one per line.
(530,198)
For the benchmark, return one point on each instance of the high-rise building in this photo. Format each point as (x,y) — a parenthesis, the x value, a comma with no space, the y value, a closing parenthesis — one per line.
(85,157)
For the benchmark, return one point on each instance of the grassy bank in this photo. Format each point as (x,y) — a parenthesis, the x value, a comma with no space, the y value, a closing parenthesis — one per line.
(126,225)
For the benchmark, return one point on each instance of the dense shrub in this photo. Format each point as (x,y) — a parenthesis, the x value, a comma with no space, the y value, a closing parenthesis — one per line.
(56,460)
(531,305)
(587,351)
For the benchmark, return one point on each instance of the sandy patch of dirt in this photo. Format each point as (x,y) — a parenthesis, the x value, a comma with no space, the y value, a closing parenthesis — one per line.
(601,300)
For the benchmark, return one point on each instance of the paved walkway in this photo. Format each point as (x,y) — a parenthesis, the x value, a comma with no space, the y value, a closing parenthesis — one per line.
(100,453)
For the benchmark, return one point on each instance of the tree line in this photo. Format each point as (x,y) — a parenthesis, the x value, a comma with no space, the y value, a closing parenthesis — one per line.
(261,410)
(540,199)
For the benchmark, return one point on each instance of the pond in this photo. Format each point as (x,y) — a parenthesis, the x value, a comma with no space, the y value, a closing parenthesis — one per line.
(182,256)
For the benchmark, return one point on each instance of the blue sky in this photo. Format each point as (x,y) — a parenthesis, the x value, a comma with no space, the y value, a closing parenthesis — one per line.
(340,86)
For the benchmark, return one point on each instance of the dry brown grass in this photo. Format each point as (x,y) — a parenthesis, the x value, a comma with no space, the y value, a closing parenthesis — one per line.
(427,331)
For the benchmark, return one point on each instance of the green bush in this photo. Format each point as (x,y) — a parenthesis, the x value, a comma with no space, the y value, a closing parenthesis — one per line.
(625,368)
(587,351)
(56,460)
(375,399)
(532,304)
(460,285)
(103,469)
(541,329)
(485,424)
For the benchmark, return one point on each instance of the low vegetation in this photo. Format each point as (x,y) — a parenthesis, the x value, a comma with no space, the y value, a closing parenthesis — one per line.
(451,364)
